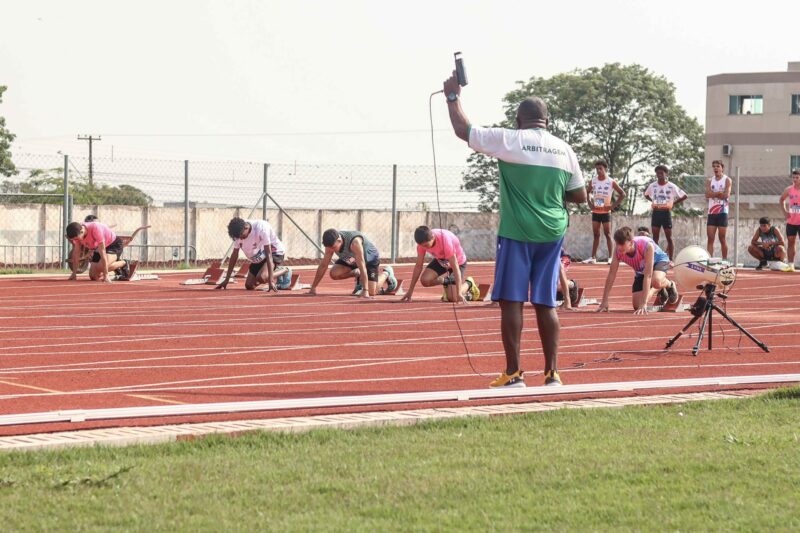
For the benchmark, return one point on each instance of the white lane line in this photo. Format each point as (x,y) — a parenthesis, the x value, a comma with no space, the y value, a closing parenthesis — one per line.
(176,390)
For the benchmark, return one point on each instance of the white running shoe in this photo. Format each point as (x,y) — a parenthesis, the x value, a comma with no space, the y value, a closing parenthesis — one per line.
(589,261)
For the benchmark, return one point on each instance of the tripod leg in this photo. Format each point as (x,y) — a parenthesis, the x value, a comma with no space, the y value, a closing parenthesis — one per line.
(732,321)
(706,316)
(681,332)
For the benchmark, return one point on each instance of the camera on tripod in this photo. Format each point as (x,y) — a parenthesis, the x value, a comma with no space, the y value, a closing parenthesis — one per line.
(695,269)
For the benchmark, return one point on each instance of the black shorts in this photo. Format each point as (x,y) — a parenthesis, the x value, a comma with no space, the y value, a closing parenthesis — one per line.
(792,229)
(769,253)
(255,268)
(601,217)
(661,218)
(113,248)
(638,281)
(372,268)
(718,219)
(443,267)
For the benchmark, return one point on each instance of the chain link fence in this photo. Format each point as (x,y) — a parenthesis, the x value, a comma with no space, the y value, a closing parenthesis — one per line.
(184,206)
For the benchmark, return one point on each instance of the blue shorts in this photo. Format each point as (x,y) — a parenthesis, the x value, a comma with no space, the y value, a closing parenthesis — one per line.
(527,271)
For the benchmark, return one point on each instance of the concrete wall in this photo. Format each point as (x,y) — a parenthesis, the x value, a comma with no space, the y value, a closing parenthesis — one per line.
(23,227)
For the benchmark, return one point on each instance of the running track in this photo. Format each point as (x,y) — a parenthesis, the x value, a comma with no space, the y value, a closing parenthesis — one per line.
(82,345)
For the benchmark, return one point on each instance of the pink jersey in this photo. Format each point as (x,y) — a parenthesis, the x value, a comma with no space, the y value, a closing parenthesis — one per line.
(794,206)
(637,260)
(97,232)
(445,246)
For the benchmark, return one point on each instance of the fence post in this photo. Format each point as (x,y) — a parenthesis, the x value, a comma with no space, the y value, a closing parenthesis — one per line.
(65,215)
(186,212)
(394,213)
(264,193)
(736,227)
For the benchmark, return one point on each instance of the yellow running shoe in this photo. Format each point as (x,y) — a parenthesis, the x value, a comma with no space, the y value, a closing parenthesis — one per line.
(473,293)
(515,380)
(552,379)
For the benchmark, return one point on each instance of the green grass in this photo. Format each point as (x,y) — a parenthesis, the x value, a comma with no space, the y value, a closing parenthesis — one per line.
(722,465)
(8,271)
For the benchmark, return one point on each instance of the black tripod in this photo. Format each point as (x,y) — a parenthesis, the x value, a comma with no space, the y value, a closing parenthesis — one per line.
(703,308)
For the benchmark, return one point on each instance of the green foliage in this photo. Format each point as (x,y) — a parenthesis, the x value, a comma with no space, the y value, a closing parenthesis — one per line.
(51,181)
(623,114)
(7,167)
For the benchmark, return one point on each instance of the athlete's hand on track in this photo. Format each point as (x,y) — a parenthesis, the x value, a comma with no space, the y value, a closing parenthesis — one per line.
(603,308)
(365,294)
(273,287)
(73,277)
(312,291)
(641,311)
(223,285)
(406,297)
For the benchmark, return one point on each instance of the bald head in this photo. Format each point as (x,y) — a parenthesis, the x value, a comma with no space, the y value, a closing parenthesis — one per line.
(532,112)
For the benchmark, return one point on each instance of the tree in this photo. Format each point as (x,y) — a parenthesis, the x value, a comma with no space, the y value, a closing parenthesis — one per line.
(623,114)
(7,167)
(51,181)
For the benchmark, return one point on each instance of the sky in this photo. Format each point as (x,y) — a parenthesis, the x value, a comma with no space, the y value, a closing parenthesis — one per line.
(337,81)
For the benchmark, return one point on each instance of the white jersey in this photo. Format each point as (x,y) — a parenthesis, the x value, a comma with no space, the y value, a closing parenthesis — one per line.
(718,206)
(261,235)
(602,193)
(664,195)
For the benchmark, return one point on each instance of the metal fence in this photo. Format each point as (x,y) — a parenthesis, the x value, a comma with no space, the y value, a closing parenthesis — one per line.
(187,204)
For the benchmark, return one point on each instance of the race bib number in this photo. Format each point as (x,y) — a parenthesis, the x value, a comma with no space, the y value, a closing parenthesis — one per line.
(599,202)
(794,209)
(350,260)
(717,201)
(258,257)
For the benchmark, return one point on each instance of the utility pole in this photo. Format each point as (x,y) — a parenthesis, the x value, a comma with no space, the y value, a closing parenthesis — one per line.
(90,139)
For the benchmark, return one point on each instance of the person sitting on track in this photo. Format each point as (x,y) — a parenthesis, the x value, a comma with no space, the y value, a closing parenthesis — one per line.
(356,254)
(767,244)
(263,249)
(567,290)
(649,262)
(107,251)
(446,250)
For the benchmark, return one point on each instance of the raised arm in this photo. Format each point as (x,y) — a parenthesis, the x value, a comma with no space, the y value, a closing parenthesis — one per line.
(458,119)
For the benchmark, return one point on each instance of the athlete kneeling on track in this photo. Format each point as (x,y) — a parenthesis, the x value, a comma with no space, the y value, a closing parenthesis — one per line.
(649,262)
(447,251)
(263,249)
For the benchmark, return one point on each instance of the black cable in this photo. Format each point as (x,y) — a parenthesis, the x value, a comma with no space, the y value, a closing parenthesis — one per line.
(439,210)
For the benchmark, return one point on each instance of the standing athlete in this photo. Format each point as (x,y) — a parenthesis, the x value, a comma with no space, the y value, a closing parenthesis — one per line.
(792,214)
(718,190)
(600,197)
(664,195)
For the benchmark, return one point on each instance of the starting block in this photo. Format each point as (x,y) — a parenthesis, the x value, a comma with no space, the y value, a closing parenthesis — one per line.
(134,276)
(243,270)
(484,292)
(582,302)
(659,306)
(295,284)
(398,291)
(212,276)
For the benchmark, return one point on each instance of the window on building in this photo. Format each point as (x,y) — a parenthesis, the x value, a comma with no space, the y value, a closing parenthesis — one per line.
(796,104)
(794,162)
(746,105)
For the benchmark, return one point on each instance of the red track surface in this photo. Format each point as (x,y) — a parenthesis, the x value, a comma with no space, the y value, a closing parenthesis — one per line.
(82,345)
